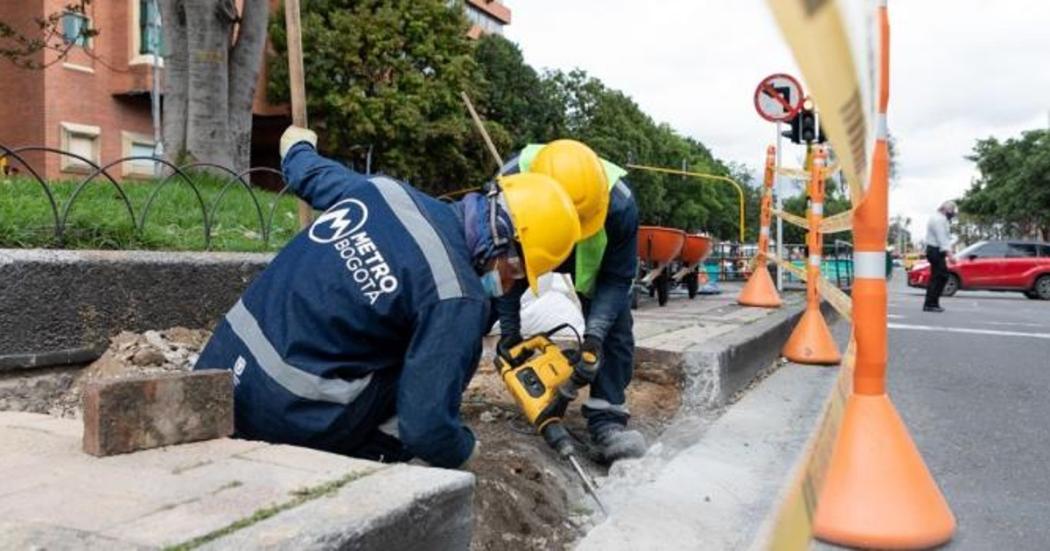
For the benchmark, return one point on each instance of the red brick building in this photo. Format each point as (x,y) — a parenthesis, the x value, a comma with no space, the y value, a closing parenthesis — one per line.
(96,101)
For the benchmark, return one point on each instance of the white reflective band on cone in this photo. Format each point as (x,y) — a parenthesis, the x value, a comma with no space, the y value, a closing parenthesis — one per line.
(882,131)
(814,260)
(764,231)
(817,208)
(869,265)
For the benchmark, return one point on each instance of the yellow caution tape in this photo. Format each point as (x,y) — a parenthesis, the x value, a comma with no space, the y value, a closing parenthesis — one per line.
(836,223)
(792,218)
(835,44)
(799,273)
(792,526)
(838,300)
(802,174)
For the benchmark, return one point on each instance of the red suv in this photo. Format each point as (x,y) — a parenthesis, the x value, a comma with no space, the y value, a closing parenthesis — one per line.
(995,266)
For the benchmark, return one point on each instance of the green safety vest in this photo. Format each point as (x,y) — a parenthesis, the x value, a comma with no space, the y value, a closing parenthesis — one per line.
(590,251)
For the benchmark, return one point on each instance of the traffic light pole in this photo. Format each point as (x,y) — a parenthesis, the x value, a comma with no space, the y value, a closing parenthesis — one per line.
(780,207)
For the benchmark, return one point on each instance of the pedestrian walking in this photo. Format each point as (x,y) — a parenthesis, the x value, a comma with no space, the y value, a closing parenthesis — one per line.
(938,252)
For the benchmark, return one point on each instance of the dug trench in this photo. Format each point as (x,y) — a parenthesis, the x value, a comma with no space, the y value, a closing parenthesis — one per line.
(526,497)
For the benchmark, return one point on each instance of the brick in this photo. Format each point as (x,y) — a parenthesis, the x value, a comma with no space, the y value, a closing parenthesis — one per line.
(139,413)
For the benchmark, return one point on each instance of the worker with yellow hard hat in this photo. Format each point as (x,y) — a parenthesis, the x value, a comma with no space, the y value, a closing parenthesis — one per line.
(603,266)
(361,335)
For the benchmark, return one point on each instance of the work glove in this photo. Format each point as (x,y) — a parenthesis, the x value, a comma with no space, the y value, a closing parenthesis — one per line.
(294,135)
(504,346)
(586,369)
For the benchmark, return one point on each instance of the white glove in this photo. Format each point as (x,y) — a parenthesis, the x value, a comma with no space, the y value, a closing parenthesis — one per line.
(294,135)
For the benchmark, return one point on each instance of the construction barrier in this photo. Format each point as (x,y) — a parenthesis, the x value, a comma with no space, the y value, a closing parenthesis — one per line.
(811,341)
(759,289)
(877,491)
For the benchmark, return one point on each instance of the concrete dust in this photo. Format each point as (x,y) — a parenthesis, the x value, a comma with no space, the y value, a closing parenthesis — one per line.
(526,496)
(57,392)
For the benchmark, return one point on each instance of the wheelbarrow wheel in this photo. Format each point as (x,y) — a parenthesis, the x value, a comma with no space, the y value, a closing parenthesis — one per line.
(663,288)
(692,283)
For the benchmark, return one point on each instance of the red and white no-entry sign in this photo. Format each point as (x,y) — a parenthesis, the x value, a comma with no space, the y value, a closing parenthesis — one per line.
(778,98)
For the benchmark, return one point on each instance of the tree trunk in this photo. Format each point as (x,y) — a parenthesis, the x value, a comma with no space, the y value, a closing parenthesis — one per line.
(246,59)
(207,132)
(211,82)
(176,79)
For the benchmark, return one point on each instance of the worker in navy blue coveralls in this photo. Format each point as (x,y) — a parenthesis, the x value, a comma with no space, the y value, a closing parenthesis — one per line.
(363,332)
(603,265)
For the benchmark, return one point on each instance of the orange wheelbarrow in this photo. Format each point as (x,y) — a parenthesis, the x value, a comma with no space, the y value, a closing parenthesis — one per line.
(697,247)
(658,248)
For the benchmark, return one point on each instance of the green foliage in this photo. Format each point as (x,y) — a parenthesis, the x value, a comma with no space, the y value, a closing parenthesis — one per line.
(388,73)
(98,219)
(616,127)
(1011,197)
(522,102)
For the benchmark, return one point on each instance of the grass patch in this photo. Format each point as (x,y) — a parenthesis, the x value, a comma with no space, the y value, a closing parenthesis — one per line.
(300,497)
(99,219)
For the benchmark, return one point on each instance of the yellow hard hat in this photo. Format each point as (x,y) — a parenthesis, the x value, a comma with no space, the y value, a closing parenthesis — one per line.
(579,171)
(545,222)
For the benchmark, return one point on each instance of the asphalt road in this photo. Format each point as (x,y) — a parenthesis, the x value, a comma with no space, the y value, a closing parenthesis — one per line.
(973,386)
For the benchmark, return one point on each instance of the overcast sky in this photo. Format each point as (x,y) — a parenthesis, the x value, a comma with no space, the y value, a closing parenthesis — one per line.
(961,70)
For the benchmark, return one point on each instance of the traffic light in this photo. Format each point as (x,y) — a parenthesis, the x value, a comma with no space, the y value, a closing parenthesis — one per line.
(804,126)
(807,122)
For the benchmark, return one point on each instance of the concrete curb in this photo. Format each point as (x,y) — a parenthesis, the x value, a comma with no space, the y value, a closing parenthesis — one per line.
(218,494)
(789,523)
(62,307)
(723,478)
(717,368)
(400,507)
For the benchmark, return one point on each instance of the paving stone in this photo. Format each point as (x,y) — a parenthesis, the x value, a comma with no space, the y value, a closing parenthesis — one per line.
(684,339)
(305,459)
(58,505)
(39,536)
(402,507)
(121,416)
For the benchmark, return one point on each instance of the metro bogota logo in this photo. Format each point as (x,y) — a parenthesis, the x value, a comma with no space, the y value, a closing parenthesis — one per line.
(344,218)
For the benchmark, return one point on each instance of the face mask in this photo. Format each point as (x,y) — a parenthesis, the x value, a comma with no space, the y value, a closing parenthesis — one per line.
(492,284)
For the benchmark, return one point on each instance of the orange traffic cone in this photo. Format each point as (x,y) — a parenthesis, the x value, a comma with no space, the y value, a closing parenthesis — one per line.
(760,290)
(811,341)
(874,457)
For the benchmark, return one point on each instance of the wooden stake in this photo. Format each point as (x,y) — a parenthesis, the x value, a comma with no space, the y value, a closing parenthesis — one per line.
(298,84)
(481,130)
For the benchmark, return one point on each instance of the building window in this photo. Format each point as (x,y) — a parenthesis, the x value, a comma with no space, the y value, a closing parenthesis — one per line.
(138,145)
(151,40)
(75,27)
(82,140)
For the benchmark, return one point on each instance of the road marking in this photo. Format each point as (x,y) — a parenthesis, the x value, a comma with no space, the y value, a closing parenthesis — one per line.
(1017,323)
(967,330)
(895,316)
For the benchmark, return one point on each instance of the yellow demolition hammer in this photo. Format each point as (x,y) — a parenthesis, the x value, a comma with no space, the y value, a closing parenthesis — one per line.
(544,378)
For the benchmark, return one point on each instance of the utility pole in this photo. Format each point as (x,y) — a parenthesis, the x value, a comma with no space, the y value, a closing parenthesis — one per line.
(780,207)
(156,27)
(298,84)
